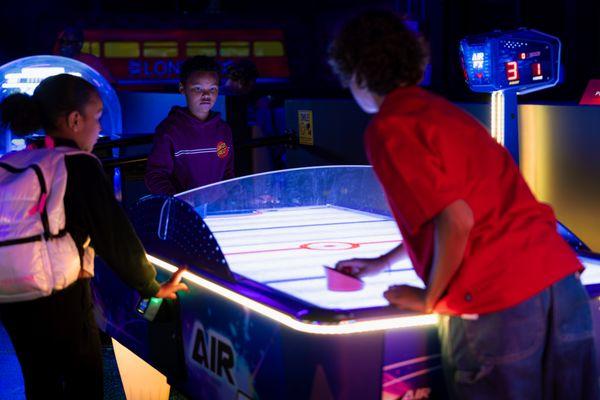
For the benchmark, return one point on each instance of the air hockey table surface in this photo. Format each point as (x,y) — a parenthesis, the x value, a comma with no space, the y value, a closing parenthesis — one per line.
(305,239)
(259,321)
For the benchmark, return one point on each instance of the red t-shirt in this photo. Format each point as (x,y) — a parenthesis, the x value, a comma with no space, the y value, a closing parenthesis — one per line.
(427,154)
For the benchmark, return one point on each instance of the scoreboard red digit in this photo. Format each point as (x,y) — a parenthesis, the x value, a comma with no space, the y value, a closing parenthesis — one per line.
(512,71)
(536,71)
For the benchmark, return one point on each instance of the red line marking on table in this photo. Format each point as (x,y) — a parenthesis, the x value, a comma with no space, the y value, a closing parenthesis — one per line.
(303,247)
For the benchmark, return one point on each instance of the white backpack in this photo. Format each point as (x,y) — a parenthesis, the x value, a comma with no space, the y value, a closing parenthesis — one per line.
(37,255)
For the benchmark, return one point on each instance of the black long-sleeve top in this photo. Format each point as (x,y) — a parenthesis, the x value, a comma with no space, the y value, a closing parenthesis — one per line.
(91,210)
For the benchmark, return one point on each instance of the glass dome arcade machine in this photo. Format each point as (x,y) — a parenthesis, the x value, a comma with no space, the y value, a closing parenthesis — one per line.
(24,75)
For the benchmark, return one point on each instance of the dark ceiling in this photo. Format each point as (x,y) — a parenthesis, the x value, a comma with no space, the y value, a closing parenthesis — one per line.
(30,26)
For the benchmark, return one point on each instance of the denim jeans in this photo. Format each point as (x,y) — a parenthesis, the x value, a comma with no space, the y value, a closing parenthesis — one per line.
(542,348)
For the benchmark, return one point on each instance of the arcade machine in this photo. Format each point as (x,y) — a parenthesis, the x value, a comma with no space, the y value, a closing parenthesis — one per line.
(264,319)
(23,76)
(507,64)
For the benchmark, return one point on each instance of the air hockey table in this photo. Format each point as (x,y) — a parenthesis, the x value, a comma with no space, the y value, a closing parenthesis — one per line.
(259,321)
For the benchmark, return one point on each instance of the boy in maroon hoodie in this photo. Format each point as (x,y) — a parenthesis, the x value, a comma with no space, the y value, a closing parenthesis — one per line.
(193,145)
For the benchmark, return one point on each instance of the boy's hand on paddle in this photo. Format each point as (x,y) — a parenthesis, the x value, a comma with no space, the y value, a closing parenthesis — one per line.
(361,267)
(406,297)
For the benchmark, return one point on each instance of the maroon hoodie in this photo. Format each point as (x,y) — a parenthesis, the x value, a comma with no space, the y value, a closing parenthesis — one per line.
(188,153)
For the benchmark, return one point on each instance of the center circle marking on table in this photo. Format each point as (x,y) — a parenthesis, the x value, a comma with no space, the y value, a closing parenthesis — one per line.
(329,246)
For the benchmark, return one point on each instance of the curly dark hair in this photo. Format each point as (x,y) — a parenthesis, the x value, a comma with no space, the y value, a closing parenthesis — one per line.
(380,51)
(198,63)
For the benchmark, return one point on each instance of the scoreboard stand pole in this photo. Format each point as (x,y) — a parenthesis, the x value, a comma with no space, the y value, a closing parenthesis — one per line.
(505,121)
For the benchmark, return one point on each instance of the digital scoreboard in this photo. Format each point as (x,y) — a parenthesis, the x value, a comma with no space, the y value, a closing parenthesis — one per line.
(522,60)
(507,64)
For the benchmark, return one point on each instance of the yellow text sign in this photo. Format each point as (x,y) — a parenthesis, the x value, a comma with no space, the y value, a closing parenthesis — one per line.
(305,127)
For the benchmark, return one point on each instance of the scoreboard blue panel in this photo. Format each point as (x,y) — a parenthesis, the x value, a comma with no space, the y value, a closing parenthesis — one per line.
(522,61)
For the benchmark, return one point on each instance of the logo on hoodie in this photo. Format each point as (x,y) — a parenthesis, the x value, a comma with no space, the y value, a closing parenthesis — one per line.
(222,149)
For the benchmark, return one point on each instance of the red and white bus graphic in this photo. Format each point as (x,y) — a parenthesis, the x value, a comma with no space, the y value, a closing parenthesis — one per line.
(141,57)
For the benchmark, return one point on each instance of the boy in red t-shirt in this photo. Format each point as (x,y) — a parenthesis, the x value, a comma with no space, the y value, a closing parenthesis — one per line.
(515,319)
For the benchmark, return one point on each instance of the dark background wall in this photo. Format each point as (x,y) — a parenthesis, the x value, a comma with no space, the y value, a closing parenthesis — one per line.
(30,26)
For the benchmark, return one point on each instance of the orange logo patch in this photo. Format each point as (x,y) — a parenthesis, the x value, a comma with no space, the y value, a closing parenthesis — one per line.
(222,149)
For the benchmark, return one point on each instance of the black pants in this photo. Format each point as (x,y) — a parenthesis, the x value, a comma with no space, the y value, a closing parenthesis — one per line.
(57,342)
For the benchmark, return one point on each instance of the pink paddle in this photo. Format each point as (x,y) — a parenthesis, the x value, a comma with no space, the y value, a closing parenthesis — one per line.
(339,282)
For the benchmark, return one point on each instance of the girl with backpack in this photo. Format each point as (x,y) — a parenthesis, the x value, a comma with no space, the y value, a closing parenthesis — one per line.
(48,249)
